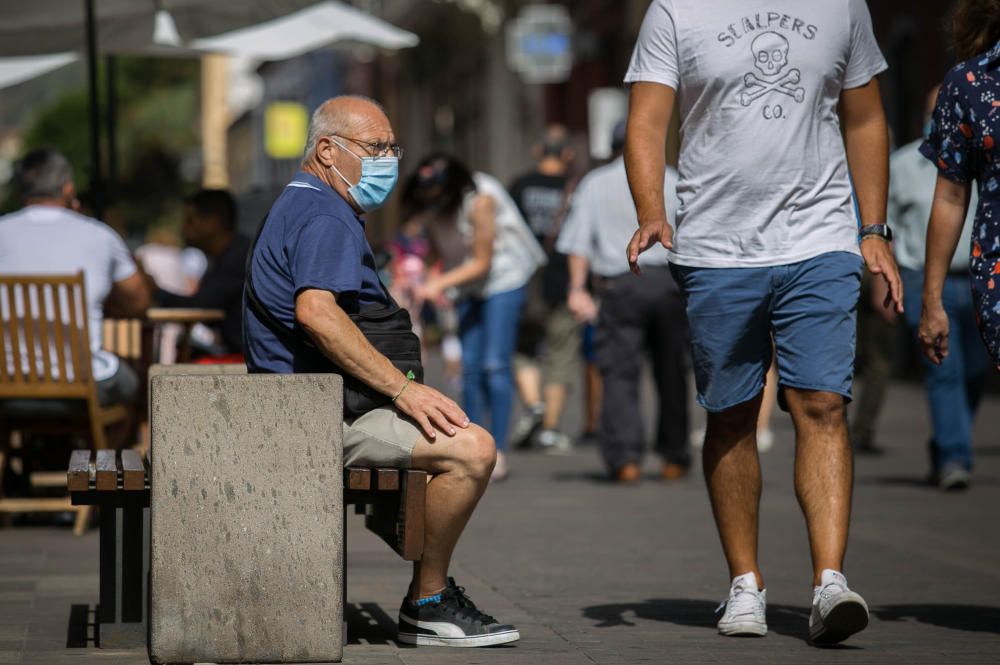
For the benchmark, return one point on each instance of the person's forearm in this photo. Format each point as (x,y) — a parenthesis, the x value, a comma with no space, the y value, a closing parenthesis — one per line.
(645,148)
(579,266)
(943,234)
(340,340)
(867,144)
(469,271)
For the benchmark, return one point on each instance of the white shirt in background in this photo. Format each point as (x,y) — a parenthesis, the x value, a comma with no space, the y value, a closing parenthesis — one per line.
(911,196)
(602,221)
(763,170)
(44,240)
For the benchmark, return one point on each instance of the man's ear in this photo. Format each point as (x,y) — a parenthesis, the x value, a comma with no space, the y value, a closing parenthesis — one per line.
(325,149)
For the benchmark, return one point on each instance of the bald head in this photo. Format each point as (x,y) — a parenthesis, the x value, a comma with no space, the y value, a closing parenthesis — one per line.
(346,115)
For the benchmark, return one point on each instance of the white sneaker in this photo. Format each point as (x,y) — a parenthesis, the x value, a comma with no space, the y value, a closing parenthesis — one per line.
(837,612)
(745,608)
(500,469)
(697,438)
(554,442)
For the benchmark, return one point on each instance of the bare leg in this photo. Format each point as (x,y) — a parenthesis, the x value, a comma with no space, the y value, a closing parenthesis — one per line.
(461,466)
(529,381)
(770,399)
(555,400)
(732,472)
(824,473)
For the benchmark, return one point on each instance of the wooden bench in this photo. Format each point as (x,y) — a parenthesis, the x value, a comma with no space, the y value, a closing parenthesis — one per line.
(392,501)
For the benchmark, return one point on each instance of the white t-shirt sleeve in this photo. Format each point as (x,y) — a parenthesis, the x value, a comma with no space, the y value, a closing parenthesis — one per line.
(576,237)
(865,61)
(122,265)
(655,56)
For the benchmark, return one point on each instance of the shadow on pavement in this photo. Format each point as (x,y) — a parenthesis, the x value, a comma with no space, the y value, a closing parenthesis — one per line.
(975,618)
(81,630)
(921,482)
(781,619)
(367,623)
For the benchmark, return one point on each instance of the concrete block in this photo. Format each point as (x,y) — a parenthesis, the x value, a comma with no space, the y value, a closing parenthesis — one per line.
(246,477)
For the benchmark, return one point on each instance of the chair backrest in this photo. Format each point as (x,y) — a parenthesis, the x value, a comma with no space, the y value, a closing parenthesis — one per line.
(45,337)
(123,337)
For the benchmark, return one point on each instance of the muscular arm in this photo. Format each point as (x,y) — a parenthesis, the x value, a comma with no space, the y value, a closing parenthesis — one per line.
(333,332)
(650,108)
(866,139)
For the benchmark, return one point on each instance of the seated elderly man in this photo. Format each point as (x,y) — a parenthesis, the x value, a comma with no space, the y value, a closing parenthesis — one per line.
(48,236)
(311,270)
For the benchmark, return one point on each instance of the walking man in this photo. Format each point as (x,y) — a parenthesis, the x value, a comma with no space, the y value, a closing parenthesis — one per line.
(640,316)
(768,242)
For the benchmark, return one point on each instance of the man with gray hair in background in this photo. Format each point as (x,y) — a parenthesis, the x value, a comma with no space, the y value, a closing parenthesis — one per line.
(49,237)
(312,270)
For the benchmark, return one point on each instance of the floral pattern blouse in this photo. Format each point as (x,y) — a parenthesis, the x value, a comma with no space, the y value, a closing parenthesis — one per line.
(964,142)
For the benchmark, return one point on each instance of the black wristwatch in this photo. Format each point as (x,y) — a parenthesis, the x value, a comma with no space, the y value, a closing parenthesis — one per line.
(878,230)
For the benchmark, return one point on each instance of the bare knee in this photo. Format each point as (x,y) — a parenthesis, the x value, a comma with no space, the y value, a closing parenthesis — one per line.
(476,453)
(734,424)
(818,409)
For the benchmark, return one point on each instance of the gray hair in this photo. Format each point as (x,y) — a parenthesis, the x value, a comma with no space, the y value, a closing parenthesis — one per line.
(42,174)
(326,122)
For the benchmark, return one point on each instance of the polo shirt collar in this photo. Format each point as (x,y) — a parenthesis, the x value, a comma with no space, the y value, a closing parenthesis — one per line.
(309,181)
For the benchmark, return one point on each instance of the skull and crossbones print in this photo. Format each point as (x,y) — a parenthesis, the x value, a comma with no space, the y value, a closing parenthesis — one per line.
(770,52)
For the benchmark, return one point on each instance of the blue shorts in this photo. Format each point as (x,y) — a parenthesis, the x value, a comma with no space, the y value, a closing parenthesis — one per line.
(810,308)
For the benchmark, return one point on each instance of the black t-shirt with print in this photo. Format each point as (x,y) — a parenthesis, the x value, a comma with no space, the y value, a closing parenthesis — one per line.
(541,200)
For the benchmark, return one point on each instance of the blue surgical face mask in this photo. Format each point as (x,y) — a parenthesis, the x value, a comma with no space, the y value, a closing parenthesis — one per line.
(378,179)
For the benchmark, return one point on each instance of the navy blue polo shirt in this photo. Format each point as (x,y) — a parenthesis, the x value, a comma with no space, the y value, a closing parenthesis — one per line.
(312,239)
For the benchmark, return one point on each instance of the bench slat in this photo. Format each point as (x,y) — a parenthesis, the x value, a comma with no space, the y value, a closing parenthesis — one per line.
(107,470)
(78,475)
(358,479)
(133,470)
(387,480)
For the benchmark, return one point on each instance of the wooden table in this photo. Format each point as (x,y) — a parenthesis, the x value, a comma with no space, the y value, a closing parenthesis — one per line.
(187,317)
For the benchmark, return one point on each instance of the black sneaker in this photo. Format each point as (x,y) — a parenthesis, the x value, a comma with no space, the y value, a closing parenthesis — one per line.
(454,621)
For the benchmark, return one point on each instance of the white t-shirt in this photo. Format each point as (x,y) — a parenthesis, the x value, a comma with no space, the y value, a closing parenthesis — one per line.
(763,170)
(602,221)
(516,253)
(44,239)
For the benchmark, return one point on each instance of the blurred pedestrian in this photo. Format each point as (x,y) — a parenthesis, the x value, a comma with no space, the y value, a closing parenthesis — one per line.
(963,143)
(163,261)
(548,347)
(767,247)
(641,317)
(489,254)
(48,236)
(210,225)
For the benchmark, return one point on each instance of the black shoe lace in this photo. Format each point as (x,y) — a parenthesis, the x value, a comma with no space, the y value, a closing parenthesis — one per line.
(469,607)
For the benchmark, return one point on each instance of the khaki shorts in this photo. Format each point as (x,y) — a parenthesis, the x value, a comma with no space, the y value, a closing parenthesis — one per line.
(380,438)
(560,363)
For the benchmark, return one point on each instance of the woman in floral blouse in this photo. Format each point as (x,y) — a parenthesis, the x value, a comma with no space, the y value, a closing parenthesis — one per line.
(964,142)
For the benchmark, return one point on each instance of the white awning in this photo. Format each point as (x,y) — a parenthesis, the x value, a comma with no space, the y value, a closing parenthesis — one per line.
(18,70)
(307,30)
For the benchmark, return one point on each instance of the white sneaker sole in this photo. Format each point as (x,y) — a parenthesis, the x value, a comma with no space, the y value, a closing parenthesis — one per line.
(493,639)
(846,618)
(743,629)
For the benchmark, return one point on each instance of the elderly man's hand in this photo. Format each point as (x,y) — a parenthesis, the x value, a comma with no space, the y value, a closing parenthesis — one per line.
(432,410)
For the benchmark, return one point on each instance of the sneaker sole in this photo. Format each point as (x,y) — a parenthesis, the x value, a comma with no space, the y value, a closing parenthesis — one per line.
(842,621)
(493,639)
(743,629)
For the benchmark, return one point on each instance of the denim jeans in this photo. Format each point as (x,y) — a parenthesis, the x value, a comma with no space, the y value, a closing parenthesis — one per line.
(488,329)
(955,386)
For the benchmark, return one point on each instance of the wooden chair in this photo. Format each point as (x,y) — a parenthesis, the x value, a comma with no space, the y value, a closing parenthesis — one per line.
(46,384)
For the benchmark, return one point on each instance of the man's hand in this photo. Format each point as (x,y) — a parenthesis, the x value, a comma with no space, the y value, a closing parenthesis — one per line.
(648,234)
(933,332)
(879,295)
(581,305)
(432,410)
(878,257)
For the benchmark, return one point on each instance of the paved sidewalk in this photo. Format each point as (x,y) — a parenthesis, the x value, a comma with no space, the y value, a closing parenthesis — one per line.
(596,573)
